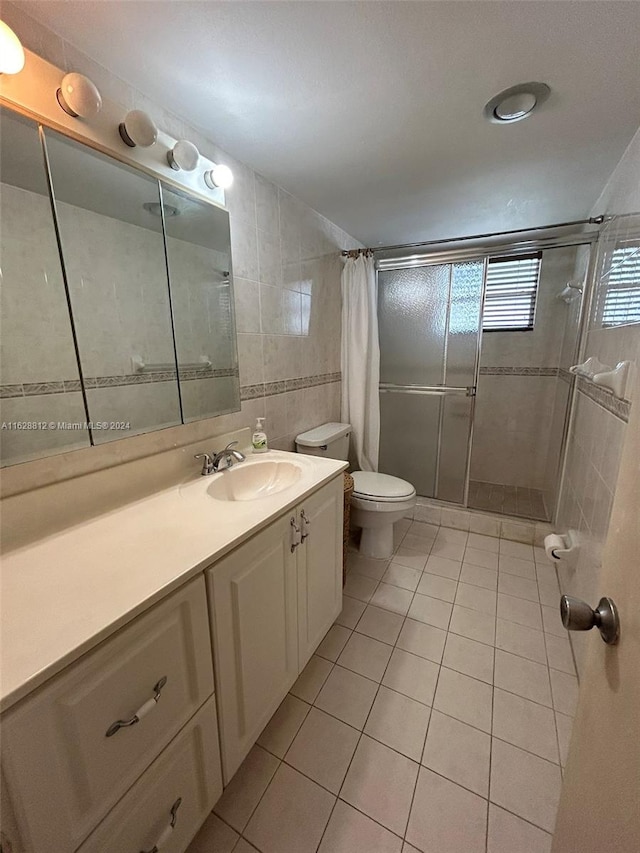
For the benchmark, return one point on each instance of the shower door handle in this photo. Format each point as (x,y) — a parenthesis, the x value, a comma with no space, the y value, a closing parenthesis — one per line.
(441,390)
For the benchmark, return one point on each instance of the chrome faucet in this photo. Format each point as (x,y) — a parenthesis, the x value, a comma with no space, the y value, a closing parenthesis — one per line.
(220,461)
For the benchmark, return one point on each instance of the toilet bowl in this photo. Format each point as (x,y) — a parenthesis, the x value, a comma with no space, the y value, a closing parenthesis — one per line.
(378,500)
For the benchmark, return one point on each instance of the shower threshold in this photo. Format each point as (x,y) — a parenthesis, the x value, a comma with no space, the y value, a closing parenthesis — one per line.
(519,501)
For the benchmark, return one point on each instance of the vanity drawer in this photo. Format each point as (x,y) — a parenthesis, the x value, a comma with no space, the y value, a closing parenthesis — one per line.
(181,786)
(67,760)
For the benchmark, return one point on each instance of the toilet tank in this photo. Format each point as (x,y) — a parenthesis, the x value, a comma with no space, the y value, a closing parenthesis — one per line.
(330,440)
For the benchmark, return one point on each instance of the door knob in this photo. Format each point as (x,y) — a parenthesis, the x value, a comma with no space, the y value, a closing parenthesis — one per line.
(578,616)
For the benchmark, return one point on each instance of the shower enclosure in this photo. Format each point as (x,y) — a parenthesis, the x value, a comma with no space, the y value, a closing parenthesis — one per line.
(473,416)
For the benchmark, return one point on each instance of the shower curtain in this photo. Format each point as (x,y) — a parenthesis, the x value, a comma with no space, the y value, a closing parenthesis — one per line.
(361,359)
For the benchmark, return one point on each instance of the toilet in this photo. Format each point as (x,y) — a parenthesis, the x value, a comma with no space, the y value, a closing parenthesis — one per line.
(378,500)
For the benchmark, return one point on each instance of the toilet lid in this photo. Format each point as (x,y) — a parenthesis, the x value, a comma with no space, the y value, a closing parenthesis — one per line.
(370,484)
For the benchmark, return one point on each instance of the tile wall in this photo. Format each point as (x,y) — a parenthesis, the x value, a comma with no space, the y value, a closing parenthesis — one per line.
(287,292)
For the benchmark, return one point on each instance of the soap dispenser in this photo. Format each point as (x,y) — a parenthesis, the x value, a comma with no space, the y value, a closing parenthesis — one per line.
(259,439)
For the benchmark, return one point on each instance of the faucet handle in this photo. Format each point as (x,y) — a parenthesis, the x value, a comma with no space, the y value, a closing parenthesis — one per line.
(207,465)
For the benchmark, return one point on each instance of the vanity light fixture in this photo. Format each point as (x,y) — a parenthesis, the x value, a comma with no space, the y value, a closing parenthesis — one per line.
(11,51)
(78,96)
(516,103)
(220,176)
(138,129)
(184,155)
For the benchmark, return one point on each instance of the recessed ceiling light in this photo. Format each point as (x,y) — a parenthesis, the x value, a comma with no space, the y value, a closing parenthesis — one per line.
(516,103)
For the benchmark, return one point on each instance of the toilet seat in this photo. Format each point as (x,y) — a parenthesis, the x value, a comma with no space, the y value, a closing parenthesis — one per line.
(381,488)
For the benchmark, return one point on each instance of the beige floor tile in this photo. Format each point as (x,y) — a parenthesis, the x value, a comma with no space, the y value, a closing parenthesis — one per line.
(322,749)
(424,529)
(366,656)
(243,792)
(546,573)
(520,640)
(484,543)
(559,654)
(517,568)
(422,640)
(417,543)
(311,679)
(380,624)
(399,722)
(347,696)
(464,698)
(469,657)
(477,576)
(437,587)
(349,831)
(412,675)
(484,525)
(473,624)
(478,557)
(525,724)
(433,611)
(291,816)
(524,784)
(352,610)
(448,550)
(519,587)
(522,677)
(283,726)
(444,567)
(402,576)
(520,611)
(511,834)
(214,835)
(409,848)
(551,621)
(333,643)
(459,752)
(360,587)
(380,783)
(367,566)
(410,557)
(564,690)
(476,598)
(392,598)
(446,818)
(516,549)
(549,594)
(564,726)
(453,535)
(243,846)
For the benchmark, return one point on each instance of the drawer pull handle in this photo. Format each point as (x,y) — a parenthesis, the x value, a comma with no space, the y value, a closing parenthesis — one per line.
(305,523)
(296,538)
(166,835)
(142,711)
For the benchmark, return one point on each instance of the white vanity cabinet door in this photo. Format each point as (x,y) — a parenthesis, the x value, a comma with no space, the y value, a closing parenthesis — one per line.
(181,786)
(319,566)
(62,770)
(252,593)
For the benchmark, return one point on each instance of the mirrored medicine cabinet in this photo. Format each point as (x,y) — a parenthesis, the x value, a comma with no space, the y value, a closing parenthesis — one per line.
(117,312)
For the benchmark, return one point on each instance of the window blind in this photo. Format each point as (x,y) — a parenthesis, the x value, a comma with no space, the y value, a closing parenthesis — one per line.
(622,294)
(510,296)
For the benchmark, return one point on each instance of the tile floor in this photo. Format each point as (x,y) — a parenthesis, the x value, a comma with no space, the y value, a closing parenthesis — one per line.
(434,717)
(508,500)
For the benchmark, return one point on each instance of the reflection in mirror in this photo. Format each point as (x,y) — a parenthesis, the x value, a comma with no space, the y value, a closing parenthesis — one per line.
(112,245)
(43,411)
(199,260)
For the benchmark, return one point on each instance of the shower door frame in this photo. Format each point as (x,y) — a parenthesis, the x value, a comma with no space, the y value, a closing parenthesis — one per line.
(483,253)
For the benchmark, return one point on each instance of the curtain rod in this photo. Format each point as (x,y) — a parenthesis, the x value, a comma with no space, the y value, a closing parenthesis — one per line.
(593,220)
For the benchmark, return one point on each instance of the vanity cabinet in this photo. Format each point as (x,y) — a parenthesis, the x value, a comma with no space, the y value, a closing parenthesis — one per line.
(272,600)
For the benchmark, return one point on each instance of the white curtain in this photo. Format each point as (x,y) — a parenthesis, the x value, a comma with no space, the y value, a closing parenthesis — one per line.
(361,359)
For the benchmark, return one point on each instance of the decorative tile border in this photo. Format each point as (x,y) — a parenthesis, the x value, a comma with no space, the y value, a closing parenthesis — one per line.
(565,375)
(519,371)
(32,389)
(604,398)
(270,389)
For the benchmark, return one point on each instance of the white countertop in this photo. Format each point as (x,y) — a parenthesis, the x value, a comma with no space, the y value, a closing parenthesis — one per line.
(64,594)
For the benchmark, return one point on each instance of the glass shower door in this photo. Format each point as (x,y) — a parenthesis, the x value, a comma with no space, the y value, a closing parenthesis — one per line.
(429,325)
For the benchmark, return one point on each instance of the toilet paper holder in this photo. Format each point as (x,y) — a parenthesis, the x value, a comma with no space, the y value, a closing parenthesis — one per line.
(577,615)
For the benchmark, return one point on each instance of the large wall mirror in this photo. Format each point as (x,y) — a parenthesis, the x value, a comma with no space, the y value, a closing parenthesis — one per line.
(117,299)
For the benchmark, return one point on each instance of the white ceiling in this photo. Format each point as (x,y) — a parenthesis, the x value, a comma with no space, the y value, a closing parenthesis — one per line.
(371,112)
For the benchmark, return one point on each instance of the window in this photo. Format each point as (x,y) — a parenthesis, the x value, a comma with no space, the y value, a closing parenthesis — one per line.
(510,296)
(621,302)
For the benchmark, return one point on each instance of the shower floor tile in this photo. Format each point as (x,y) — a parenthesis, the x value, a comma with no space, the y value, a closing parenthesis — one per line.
(508,500)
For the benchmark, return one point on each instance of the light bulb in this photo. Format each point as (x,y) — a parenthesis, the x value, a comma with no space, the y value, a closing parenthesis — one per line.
(138,129)
(220,176)
(78,96)
(11,52)
(183,155)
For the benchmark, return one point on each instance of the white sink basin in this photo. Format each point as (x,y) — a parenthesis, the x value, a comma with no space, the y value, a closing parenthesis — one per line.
(254,481)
